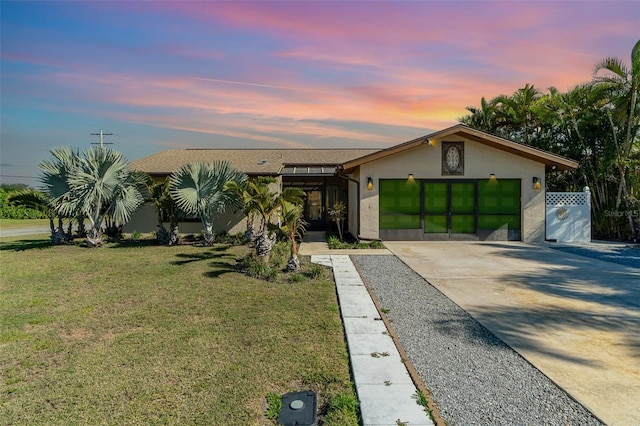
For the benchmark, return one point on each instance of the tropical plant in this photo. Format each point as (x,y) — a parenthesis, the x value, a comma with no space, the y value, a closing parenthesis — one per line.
(243,189)
(97,185)
(595,123)
(18,210)
(337,215)
(201,189)
(260,201)
(159,196)
(37,200)
(620,86)
(291,222)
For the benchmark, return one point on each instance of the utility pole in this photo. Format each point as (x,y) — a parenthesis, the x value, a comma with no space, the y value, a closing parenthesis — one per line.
(102,134)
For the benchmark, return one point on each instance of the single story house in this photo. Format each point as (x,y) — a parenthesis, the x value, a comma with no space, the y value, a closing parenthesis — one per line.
(455,184)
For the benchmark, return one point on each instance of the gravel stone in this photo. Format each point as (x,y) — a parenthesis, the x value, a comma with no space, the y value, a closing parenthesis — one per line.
(474,377)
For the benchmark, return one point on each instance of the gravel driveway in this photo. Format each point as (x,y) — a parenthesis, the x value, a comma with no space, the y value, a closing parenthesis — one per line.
(474,377)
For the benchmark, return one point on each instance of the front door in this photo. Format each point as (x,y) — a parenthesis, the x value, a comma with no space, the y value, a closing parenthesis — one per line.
(449,210)
(314,210)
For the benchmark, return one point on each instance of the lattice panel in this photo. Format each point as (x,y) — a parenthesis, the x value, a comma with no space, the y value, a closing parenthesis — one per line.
(566,198)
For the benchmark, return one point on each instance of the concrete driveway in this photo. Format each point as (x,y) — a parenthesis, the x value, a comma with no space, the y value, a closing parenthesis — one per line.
(576,319)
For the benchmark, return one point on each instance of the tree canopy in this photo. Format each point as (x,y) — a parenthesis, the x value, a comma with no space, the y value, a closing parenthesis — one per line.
(596,123)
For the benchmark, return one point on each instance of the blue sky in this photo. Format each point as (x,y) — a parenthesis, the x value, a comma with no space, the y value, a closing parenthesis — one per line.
(162,75)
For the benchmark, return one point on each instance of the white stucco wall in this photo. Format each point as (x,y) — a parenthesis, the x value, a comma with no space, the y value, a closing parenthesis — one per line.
(425,162)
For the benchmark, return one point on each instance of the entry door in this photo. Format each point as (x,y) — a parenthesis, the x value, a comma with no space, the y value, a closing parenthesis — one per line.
(449,210)
(314,210)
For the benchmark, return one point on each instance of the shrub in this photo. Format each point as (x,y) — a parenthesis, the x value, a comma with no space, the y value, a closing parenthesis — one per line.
(296,277)
(256,267)
(280,254)
(233,240)
(315,271)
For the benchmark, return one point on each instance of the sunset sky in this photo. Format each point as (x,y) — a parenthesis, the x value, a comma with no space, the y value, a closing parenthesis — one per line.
(208,74)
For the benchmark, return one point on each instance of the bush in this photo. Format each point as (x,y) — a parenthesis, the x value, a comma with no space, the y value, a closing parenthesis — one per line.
(233,240)
(256,267)
(280,254)
(11,211)
(334,243)
(315,271)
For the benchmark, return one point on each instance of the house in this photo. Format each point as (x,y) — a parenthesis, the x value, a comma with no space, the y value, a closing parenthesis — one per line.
(455,184)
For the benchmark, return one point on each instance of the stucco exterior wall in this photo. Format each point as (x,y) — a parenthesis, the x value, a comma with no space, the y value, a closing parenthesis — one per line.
(425,162)
(144,219)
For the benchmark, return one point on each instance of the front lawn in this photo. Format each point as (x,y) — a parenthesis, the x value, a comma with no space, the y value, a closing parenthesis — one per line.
(134,333)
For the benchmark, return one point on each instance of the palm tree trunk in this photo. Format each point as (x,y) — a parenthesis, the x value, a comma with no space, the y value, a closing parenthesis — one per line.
(264,244)
(94,237)
(173,226)
(208,233)
(294,263)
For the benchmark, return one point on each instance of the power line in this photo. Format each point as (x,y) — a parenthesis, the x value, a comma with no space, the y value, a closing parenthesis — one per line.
(101,134)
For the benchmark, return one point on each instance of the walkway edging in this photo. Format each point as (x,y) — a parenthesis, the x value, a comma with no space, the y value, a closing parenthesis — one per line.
(385,389)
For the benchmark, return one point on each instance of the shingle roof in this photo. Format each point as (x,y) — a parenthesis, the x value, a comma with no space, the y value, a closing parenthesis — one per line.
(250,161)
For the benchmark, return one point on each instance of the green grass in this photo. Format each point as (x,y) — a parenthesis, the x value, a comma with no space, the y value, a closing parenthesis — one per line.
(23,223)
(133,333)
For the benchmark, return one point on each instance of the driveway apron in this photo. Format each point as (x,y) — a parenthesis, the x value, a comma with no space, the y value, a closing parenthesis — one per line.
(574,318)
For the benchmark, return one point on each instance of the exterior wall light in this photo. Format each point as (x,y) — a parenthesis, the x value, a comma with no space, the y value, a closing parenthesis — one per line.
(369,184)
(536,184)
(492,178)
(410,178)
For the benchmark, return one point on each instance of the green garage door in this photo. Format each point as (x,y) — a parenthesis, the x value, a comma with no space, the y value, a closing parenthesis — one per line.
(438,209)
(449,209)
(399,204)
(499,210)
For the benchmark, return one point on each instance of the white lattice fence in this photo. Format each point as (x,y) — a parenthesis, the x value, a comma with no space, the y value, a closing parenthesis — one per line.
(569,216)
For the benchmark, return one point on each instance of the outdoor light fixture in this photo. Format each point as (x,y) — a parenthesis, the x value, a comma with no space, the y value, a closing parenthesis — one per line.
(431,142)
(410,178)
(492,178)
(370,184)
(536,183)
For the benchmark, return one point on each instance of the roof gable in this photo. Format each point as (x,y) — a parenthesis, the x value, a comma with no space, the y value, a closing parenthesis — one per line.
(548,159)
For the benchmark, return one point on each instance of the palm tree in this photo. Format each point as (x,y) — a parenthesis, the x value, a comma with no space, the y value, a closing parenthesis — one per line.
(243,190)
(159,196)
(201,189)
(55,178)
(482,118)
(620,86)
(292,225)
(262,202)
(337,215)
(96,185)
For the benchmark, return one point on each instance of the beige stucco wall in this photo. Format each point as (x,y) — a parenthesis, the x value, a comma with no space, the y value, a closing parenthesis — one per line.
(425,162)
(144,219)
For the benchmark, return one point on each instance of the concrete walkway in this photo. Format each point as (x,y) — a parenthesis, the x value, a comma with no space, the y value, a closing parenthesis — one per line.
(386,392)
(576,319)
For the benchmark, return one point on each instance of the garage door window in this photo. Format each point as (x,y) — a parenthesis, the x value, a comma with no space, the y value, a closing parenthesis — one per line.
(399,204)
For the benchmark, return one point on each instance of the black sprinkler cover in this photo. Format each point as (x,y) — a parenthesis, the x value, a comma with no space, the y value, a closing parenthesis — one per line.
(298,409)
